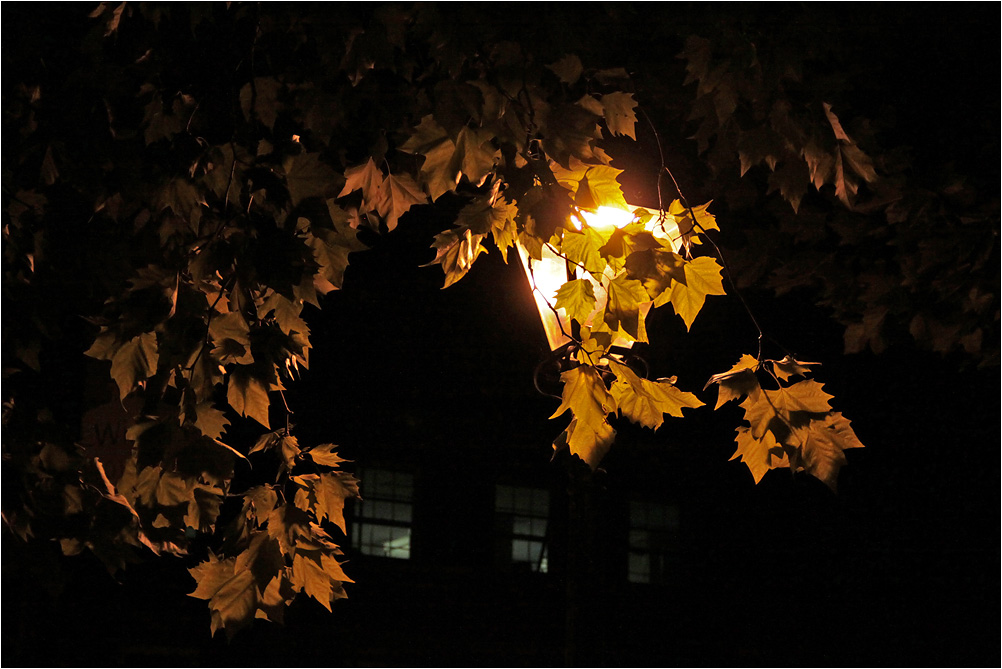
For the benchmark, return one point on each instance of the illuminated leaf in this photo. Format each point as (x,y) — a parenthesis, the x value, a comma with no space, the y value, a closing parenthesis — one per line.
(788,367)
(585,395)
(620,114)
(702,278)
(324,455)
(646,402)
(481,216)
(396,195)
(232,593)
(475,156)
(366,178)
(248,395)
(314,579)
(456,252)
(824,442)
(582,248)
(738,381)
(577,298)
(324,495)
(622,311)
(760,455)
(802,396)
(589,435)
(692,220)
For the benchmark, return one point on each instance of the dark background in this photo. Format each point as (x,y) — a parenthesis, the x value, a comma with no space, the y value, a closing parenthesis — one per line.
(899,568)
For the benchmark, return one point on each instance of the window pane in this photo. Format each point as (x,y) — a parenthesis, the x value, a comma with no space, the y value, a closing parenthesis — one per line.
(639,568)
(383,517)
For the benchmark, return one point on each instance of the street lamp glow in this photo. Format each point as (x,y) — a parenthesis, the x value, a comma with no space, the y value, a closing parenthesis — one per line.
(548,274)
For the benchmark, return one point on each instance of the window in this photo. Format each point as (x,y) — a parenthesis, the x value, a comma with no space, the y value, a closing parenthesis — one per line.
(522,515)
(652,527)
(383,517)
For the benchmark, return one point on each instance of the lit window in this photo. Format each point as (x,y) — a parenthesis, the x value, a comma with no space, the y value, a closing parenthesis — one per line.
(652,527)
(522,514)
(383,516)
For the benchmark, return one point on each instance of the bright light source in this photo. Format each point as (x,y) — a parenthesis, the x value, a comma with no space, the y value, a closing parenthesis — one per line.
(605,218)
(547,275)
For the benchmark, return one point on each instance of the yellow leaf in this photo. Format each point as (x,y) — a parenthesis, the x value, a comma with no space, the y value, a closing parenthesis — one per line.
(585,395)
(760,455)
(802,396)
(788,367)
(588,441)
(457,251)
(702,278)
(620,116)
(577,299)
(622,311)
(824,442)
(646,402)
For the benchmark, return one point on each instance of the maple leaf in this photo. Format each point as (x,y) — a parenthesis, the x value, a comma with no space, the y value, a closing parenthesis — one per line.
(568,69)
(791,179)
(702,278)
(324,495)
(324,455)
(570,131)
(588,441)
(456,252)
(306,176)
(396,195)
(482,216)
(620,116)
(366,178)
(331,248)
(260,99)
(204,503)
(439,172)
(584,394)
(133,362)
(232,594)
(310,575)
(583,248)
(788,367)
(593,185)
(759,455)
(231,335)
(471,158)
(577,298)
(248,395)
(646,402)
(622,311)
(823,443)
(804,395)
(736,382)
(692,220)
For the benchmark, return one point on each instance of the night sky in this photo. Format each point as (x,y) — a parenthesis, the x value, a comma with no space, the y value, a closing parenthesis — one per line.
(899,568)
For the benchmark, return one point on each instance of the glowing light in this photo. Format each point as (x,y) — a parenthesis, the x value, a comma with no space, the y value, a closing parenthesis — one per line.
(548,274)
(605,218)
